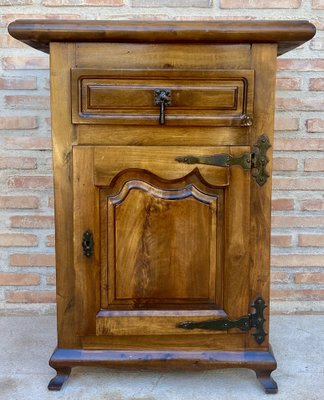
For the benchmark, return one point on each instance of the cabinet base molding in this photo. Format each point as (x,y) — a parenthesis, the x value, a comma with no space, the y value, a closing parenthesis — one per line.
(262,362)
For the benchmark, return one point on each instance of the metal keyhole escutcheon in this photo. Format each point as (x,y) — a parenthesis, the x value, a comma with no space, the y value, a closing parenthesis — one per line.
(87,243)
(162,98)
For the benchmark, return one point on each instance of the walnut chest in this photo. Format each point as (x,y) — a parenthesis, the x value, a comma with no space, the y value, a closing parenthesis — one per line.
(162,148)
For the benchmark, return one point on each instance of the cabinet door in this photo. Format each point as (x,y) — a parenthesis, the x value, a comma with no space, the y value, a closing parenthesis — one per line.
(170,240)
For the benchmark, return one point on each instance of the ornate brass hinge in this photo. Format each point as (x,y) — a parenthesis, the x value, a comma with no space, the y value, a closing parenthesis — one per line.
(245,323)
(255,161)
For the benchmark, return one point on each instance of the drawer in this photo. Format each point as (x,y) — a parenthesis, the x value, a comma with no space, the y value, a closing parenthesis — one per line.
(168,97)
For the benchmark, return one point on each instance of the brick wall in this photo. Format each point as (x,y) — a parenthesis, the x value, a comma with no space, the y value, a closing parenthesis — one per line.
(27,274)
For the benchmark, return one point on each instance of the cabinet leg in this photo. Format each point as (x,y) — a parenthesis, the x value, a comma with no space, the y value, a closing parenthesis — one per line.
(62,374)
(264,377)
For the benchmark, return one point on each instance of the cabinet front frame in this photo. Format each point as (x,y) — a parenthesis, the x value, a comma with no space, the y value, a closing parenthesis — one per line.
(64,56)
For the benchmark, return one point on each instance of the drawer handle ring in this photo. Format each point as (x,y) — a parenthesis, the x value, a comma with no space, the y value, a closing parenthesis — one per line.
(162,98)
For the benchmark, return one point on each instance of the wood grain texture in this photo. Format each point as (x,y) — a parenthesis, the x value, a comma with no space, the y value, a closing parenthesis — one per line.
(150,325)
(161,238)
(85,217)
(221,341)
(62,59)
(158,160)
(237,237)
(164,56)
(264,62)
(38,33)
(161,135)
(216,98)
(167,250)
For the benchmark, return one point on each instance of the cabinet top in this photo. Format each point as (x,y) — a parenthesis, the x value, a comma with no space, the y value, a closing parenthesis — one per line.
(39,33)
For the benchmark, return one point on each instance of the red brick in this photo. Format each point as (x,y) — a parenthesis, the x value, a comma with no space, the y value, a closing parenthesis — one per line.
(299,104)
(32,260)
(5,19)
(32,102)
(307,240)
(18,123)
(316,84)
(18,240)
(51,202)
(30,143)
(260,4)
(18,163)
(32,296)
(318,22)
(284,221)
(297,260)
(51,279)
(50,241)
(291,64)
(306,294)
(285,164)
(279,277)
(317,44)
(15,2)
(172,3)
(282,204)
(31,182)
(314,164)
(284,83)
(78,3)
(318,4)
(18,83)
(281,240)
(25,62)
(312,205)
(315,125)
(10,279)
(294,144)
(212,17)
(47,84)
(21,202)
(32,221)
(298,183)
(311,277)
(286,124)
(7,41)
(4,41)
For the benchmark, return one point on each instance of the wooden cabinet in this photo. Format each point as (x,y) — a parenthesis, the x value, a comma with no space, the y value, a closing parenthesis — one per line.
(162,136)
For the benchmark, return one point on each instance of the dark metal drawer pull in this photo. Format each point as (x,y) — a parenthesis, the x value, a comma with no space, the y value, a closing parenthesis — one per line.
(162,98)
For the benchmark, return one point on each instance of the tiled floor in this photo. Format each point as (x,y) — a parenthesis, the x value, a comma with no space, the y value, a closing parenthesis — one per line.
(26,344)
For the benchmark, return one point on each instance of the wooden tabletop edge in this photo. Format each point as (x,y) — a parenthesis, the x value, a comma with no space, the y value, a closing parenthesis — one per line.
(39,33)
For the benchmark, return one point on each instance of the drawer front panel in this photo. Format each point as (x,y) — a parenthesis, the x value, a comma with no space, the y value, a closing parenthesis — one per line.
(215,98)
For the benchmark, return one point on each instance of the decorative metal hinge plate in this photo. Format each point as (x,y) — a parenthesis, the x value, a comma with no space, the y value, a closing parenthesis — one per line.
(245,323)
(255,161)
(260,159)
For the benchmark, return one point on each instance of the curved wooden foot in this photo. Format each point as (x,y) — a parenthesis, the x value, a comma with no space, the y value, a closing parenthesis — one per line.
(264,377)
(62,374)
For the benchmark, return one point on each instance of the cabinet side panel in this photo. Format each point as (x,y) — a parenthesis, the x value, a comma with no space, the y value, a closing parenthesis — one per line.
(62,59)
(264,63)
